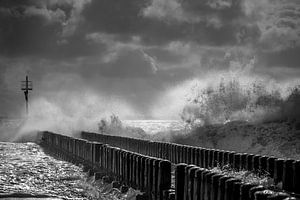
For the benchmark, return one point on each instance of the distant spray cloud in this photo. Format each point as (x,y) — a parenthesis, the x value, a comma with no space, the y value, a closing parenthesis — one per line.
(69,114)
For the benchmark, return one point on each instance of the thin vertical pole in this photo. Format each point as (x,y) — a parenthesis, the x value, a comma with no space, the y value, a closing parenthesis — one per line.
(26,86)
(26,107)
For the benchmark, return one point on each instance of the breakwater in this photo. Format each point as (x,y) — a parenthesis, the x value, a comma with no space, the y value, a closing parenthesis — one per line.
(146,165)
(148,174)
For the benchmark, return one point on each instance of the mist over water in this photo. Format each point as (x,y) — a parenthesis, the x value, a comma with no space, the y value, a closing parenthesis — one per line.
(217,98)
(66,114)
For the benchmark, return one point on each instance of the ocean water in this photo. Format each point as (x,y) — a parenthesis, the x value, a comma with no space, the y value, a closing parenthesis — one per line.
(280,139)
(156,126)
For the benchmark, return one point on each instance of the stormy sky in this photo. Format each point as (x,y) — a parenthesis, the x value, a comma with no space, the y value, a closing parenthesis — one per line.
(131,52)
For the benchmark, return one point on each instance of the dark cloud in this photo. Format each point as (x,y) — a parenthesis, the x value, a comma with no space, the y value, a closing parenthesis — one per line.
(34,28)
(127,18)
(225,10)
(21,34)
(137,49)
(165,55)
(127,64)
(115,17)
(287,57)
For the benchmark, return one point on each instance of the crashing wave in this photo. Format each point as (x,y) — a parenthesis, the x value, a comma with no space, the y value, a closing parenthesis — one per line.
(116,127)
(231,100)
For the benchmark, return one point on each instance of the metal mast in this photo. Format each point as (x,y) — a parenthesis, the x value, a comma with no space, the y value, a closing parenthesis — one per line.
(26,86)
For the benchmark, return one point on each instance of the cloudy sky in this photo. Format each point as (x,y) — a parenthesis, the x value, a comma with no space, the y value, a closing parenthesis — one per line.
(131,52)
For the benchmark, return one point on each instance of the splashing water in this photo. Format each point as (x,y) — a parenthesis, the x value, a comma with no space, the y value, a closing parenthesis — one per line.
(116,127)
(67,114)
(243,98)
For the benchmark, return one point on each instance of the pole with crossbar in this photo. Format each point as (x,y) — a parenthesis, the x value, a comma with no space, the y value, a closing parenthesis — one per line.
(26,86)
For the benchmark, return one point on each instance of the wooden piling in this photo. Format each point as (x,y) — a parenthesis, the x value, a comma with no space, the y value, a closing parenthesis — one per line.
(180,181)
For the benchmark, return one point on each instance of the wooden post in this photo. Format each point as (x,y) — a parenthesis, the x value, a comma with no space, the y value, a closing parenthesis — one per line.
(236,190)
(270,166)
(198,157)
(190,183)
(180,181)
(230,158)
(220,158)
(208,184)
(203,183)
(164,177)
(215,186)
(243,161)
(237,161)
(250,162)
(287,178)
(206,158)
(215,160)
(296,179)
(263,160)
(221,189)
(150,177)
(225,157)
(142,172)
(245,188)
(197,184)
(256,162)
(210,158)
(202,157)
(229,188)
(146,175)
(278,170)
(154,191)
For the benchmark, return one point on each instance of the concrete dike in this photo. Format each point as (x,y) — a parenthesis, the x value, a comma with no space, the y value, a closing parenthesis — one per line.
(147,166)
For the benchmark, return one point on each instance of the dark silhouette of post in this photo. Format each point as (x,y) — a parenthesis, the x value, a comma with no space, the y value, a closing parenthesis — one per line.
(26,86)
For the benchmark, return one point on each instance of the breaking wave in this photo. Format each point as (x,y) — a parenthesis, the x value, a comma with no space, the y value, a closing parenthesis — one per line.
(115,126)
(228,97)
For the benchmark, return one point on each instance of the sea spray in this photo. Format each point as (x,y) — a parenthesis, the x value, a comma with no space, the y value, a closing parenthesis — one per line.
(68,114)
(115,126)
(229,97)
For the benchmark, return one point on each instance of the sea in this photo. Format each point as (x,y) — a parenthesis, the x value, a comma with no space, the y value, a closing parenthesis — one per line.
(156,126)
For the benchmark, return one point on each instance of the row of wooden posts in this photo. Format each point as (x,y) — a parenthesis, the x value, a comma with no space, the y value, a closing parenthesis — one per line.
(196,183)
(148,174)
(285,171)
(153,174)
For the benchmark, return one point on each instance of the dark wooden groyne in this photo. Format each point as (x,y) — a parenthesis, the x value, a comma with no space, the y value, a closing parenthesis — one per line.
(146,165)
(148,174)
(285,171)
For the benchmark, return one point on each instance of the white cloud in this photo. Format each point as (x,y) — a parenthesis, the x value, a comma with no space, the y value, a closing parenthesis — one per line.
(113,45)
(57,15)
(219,4)
(278,21)
(152,61)
(168,10)
(72,22)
